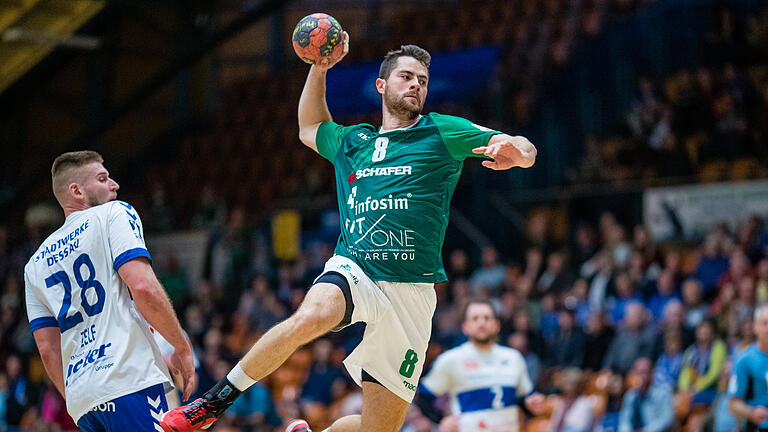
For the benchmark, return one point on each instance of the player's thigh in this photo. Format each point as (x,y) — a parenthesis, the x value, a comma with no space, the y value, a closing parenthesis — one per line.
(383,411)
(323,307)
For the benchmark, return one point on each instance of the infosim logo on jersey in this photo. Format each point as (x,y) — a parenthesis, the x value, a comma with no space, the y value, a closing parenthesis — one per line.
(381,171)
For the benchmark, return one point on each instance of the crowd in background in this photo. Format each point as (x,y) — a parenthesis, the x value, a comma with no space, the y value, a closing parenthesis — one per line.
(612,325)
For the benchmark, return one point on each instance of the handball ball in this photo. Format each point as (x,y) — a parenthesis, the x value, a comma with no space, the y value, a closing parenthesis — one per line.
(317,36)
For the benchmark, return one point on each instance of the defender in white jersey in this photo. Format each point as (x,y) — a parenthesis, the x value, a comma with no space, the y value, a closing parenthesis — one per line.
(91,297)
(487,382)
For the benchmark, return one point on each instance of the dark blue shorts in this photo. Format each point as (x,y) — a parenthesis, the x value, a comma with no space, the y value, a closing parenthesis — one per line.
(140,411)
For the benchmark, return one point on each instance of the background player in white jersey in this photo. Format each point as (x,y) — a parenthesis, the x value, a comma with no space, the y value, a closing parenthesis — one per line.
(487,382)
(91,297)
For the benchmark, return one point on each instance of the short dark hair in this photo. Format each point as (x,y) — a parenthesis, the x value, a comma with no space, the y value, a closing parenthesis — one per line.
(390,60)
(62,166)
(74,159)
(478,300)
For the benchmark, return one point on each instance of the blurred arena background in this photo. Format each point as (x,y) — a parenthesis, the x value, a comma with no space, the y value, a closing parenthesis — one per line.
(650,189)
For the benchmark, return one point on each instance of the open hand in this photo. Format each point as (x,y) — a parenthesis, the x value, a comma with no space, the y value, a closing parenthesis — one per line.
(507,152)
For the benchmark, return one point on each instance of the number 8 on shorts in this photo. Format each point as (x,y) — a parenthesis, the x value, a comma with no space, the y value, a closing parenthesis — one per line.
(409,364)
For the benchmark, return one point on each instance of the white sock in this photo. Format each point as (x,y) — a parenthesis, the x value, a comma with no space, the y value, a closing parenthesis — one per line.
(239,378)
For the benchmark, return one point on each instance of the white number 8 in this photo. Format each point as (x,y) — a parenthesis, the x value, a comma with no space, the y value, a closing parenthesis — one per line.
(381,149)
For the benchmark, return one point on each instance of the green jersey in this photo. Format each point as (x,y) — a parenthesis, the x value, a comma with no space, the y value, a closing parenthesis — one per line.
(394,190)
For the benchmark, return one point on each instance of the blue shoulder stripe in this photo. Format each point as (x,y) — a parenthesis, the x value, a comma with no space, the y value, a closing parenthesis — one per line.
(129,255)
(43,322)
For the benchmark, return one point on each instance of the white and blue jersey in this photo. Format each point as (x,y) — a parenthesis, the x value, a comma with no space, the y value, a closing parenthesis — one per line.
(485,387)
(749,379)
(72,283)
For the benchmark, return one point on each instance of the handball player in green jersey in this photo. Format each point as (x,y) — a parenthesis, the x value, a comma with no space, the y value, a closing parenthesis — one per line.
(394,186)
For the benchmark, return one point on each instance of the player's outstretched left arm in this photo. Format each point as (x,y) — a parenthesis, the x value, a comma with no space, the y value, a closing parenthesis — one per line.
(507,152)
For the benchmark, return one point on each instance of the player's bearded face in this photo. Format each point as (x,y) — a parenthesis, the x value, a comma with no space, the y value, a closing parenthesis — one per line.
(406,88)
(480,325)
(97,186)
(402,105)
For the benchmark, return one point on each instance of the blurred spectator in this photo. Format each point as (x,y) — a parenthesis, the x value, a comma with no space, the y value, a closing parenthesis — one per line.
(643,243)
(458,265)
(523,325)
(548,319)
(616,242)
(490,275)
(738,267)
(519,341)
(578,301)
(743,339)
(599,270)
(539,231)
(566,348)
(534,259)
(666,291)
(268,312)
(642,275)
(671,360)
(712,265)
(555,279)
(696,309)
(21,392)
(649,406)
(598,339)
(615,393)
(230,254)
(634,339)
(702,364)
(673,320)
(573,411)
(323,375)
(625,294)
(585,245)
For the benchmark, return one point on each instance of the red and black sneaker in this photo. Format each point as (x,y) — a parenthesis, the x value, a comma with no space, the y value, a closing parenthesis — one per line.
(298,426)
(202,412)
